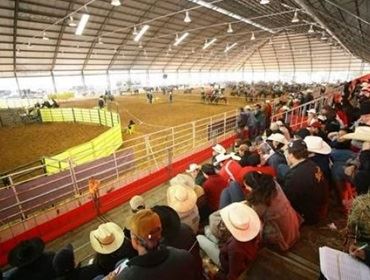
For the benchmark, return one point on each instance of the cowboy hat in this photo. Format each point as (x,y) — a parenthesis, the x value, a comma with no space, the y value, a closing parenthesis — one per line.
(183,180)
(279,123)
(317,145)
(137,202)
(234,156)
(241,220)
(278,137)
(220,158)
(26,252)
(362,133)
(192,167)
(170,221)
(181,198)
(219,149)
(322,118)
(312,111)
(274,126)
(107,238)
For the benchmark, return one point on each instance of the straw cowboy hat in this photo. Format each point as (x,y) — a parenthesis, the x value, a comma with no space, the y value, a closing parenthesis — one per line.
(181,198)
(107,238)
(241,220)
(362,133)
(26,252)
(278,137)
(317,145)
(219,149)
(183,180)
(192,167)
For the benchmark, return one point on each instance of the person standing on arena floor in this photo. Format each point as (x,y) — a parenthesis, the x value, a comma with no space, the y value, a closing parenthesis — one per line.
(94,186)
(155,261)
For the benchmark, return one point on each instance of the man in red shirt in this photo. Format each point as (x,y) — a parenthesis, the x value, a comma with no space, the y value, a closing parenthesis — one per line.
(213,186)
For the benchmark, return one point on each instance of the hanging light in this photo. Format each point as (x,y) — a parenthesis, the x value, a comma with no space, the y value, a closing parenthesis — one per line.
(192,50)
(81,25)
(18,51)
(187,18)
(295,18)
(140,45)
(169,48)
(253,37)
(71,22)
(230,29)
(44,37)
(323,36)
(135,31)
(100,41)
(270,41)
(311,30)
(29,45)
(115,3)
(264,2)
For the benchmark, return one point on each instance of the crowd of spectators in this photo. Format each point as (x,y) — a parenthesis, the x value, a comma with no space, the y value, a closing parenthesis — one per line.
(274,182)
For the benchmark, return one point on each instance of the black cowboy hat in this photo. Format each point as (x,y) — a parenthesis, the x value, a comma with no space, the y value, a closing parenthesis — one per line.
(26,252)
(170,220)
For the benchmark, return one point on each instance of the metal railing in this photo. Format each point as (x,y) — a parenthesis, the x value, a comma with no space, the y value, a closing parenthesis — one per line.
(34,201)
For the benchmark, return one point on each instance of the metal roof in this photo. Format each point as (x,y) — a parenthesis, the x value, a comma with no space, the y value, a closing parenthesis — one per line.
(23,23)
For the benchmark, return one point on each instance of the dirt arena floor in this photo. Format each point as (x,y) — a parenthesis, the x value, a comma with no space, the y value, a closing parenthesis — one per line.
(25,144)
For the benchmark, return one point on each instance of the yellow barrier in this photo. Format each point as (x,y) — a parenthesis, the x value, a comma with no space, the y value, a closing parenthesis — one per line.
(103,145)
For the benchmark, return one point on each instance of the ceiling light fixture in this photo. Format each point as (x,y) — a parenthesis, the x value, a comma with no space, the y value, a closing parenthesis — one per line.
(187,18)
(82,24)
(135,31)
(230,14)
(230,29)
(141,33)
(44,37)
(264,2)
(169,48)
(270,41)
(295,18)
(323,36)
(311,30)
(229,47)
(71,22)
(192,50)
(100,41)
(180,39)
(29,45)
(115,3)
(209,43)
(253,37)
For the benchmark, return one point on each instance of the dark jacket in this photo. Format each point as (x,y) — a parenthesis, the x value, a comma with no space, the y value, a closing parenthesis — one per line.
(185,239)
(323,161)
(276,159)
(167,263)
(82,273)
(362,177)
(107,262)
(41,269)
(306,188)
(233,193)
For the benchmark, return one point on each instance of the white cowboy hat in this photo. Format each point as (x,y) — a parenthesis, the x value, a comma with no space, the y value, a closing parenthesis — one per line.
(285,108)
(220,158)
(183,180)
(219,149)
(317,145)
(279,123)
(107,238)
(274,126)
(181,198)
(362,133)
(234,156)
(322,118)
(312,111)
(278,137)
(241,220)
(192,167)
(137,202)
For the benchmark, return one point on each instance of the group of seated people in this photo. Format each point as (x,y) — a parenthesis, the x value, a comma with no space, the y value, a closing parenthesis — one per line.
(260,194)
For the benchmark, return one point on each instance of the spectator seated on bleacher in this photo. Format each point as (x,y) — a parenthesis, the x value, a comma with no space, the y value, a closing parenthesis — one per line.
(239,249)
(228,165)
(183,200)
(155,261)
(66,269)
(304,184)
(177,234)
(107,242)
(280,221)
(195,172)
(31,261)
